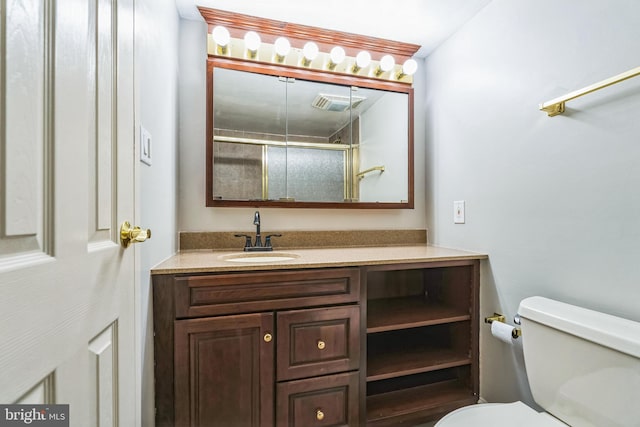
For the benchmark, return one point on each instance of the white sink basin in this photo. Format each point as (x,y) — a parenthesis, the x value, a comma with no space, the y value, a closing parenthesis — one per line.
(250,257)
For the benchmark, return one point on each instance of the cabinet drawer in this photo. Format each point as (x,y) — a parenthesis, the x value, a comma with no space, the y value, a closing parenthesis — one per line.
(317,341)
(210,295)
(324,401)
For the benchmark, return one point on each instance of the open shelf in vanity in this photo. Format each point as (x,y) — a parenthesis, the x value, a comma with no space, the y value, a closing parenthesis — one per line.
(421,340)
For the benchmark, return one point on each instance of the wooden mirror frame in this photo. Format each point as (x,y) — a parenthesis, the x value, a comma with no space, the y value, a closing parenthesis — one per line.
(299,34)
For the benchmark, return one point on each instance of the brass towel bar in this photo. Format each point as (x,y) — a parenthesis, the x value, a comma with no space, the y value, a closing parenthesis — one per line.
(364,172)
(556,106)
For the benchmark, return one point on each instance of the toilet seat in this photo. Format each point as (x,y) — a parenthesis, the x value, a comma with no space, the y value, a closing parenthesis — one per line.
(494,414)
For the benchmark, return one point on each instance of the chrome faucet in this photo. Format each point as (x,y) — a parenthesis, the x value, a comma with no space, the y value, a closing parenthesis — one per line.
(257,246)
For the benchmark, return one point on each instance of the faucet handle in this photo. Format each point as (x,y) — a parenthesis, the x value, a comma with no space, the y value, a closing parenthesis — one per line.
(247,240)
(267,240)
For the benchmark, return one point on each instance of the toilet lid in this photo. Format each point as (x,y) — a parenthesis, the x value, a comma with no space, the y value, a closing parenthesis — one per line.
(495,414)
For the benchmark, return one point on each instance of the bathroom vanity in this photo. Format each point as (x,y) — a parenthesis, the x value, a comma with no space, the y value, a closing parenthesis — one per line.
(331,337)
(378,334)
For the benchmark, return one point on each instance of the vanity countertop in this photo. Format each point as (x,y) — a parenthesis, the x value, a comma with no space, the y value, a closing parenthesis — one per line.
(210,261)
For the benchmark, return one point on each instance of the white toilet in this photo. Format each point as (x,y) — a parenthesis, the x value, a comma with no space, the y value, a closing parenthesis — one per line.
(583,368)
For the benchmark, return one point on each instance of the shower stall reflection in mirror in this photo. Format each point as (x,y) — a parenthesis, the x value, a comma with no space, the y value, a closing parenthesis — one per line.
(259,169)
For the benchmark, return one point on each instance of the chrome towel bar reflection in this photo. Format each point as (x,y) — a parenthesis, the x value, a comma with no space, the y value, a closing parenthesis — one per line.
(556,106)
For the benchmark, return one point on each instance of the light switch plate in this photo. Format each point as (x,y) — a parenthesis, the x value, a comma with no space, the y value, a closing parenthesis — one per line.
(145,146)
(458,212)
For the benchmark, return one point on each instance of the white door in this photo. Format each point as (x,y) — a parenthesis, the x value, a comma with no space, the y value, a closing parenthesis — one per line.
(67,183)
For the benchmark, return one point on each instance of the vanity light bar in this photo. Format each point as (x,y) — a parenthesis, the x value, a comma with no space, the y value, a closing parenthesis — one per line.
(250,47)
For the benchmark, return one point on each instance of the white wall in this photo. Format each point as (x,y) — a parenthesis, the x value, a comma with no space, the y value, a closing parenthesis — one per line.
(194,216)
(156,62)
(553,201)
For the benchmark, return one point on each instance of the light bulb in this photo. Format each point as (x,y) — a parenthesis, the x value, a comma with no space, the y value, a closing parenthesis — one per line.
(409,67)
(310,51)
(387,63)
(252,41)
(282,46)
(363,59)
(221,35)
(337,55)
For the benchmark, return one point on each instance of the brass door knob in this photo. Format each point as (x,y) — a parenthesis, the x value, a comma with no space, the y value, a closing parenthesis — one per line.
(267,337)
(321,345)
(319,415)
(129,235)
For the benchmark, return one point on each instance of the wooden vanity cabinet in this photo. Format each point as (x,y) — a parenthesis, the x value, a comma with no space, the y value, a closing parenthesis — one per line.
(380,345)
(258,349)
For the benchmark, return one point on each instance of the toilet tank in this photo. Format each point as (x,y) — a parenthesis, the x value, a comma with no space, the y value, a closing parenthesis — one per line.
(583,366)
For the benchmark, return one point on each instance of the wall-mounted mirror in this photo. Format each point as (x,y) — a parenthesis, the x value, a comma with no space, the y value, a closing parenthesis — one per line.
(282,137)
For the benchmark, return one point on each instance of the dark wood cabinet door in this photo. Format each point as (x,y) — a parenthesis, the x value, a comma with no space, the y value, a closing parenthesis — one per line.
(224,375)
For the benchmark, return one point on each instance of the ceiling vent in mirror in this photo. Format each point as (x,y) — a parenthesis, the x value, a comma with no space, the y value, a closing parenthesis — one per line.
(330,102)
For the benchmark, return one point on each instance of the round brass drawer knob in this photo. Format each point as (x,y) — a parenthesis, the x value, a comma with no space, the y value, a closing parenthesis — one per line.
(268,337)
(321,345)
(319,415)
